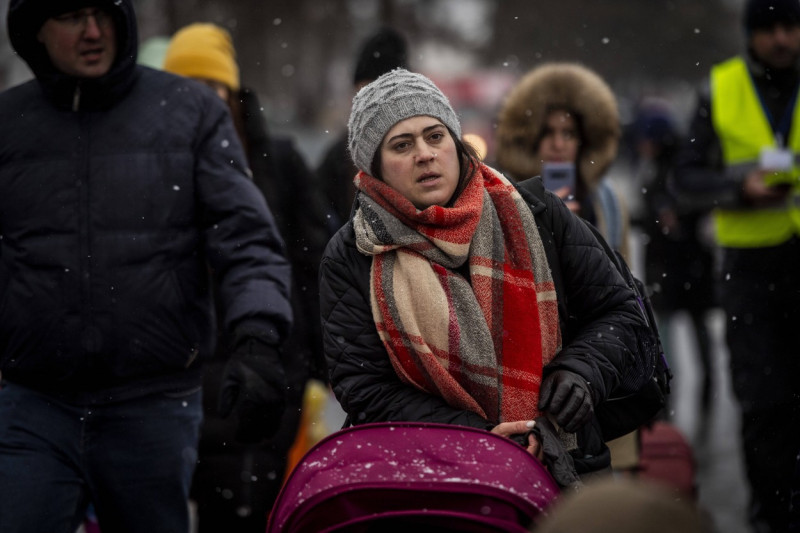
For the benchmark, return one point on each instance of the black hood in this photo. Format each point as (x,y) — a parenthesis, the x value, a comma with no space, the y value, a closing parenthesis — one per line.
(25,18)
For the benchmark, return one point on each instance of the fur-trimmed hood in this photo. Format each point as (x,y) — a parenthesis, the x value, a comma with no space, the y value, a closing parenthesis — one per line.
(568,86)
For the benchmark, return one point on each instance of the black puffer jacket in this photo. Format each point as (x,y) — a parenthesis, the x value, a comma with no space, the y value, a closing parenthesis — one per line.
(116,193)
(600,335)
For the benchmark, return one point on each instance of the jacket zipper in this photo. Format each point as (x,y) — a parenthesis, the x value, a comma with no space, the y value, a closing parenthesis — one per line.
(76,98)
(84,225)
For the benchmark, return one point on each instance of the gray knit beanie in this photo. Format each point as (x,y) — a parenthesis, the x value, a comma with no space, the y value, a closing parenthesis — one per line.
(395,96)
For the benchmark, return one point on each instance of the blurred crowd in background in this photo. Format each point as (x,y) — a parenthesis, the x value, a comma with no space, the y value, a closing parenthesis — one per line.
(299,56)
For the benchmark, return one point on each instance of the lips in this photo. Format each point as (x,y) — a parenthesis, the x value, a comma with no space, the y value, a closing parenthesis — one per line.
(428,176)
(93,54)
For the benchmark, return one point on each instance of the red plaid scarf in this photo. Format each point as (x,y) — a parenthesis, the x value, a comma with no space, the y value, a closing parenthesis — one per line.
(479,343)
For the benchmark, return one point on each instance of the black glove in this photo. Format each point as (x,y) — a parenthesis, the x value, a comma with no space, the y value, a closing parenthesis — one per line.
(555,456)
(567,397)
(255,384)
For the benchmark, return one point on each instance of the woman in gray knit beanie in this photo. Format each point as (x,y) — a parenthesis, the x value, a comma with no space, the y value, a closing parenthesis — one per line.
(438,302)
(392,98)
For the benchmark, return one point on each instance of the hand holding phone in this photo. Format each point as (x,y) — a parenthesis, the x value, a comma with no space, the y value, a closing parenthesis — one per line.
(557,175)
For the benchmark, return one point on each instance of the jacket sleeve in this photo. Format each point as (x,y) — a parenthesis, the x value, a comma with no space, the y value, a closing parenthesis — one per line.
(700,181)
(361,374)
(604,321)
(243,246)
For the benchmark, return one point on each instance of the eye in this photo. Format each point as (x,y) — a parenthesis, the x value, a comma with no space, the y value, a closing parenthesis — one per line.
(73,17)
(400,146)
(102,17)
(436,136)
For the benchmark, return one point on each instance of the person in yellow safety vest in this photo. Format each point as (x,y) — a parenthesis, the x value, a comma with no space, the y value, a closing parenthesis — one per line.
(741,159)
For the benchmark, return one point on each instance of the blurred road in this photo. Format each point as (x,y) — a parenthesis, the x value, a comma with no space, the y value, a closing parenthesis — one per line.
(721,483)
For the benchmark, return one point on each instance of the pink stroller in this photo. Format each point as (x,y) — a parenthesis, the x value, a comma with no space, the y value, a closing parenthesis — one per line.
(413,477)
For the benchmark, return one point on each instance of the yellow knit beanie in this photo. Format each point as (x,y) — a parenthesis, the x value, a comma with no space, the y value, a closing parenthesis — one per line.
(203,51)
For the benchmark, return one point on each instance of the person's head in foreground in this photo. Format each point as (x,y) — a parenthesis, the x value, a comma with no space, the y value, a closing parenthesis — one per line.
(624,505)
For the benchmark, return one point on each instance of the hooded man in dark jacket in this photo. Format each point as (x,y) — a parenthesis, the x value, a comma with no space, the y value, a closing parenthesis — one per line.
(121,188)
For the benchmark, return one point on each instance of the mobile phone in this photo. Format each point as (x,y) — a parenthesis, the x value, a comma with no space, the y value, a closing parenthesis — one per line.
(780,162)
(558,175)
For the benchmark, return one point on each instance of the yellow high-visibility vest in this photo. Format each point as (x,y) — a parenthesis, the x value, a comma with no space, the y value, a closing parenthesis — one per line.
(743,130)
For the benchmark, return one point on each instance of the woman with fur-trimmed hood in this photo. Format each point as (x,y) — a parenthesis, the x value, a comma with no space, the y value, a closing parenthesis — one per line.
(564,112)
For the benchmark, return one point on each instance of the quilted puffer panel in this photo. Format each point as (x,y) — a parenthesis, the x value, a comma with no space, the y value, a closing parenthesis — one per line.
(601,332)
(362,377)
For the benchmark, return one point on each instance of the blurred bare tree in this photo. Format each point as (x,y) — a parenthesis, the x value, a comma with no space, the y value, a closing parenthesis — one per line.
(656,40)
(298,55)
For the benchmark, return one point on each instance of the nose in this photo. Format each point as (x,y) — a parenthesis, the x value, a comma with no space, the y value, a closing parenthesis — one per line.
(782,34)
(92,28)
(559,140)
(424,152)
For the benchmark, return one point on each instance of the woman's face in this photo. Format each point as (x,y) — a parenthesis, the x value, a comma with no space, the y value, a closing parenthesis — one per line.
(560,140)
(420,161)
